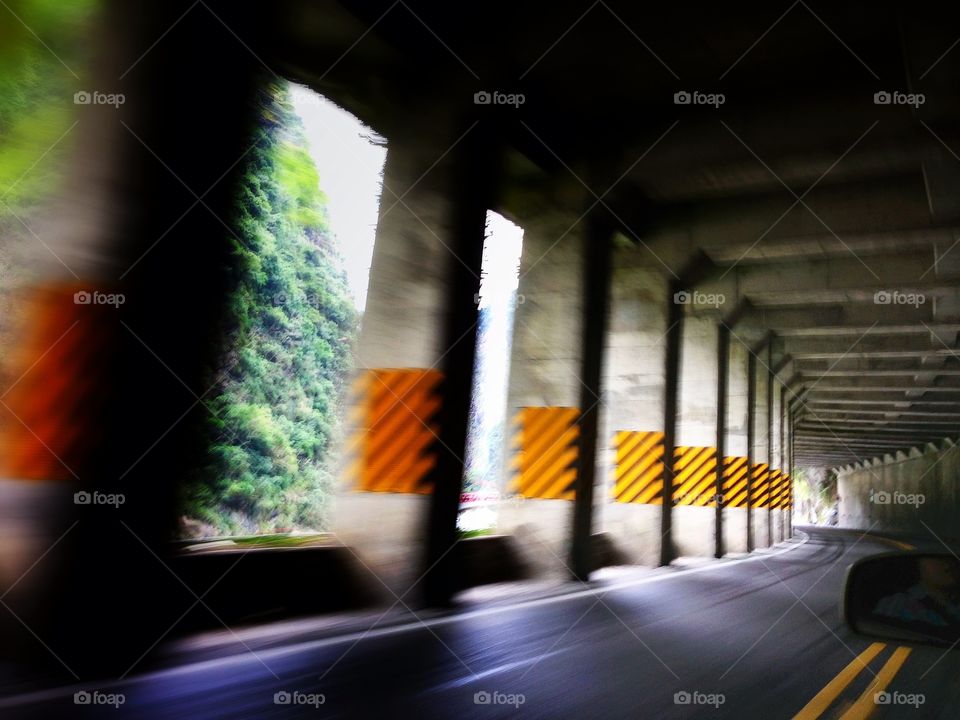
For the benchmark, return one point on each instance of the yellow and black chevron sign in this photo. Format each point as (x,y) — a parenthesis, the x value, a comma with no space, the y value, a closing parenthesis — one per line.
(735,481)
(545,444)
(695,480)
(395,429)
(761,485)
(638,474)
(788,492)
(776,488)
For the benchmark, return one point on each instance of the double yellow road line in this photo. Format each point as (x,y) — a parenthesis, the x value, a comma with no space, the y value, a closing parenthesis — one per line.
(864,705)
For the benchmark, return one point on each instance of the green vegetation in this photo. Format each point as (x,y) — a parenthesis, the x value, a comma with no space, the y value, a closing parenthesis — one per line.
(37,84)
(287,347)
(258,542)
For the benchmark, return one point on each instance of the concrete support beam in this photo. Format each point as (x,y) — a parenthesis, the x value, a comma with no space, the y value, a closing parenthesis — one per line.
(596,302)
(474,188)
(812,401)
(723,369)
(805,246)
(751,441)
(671,373)
(916,344)
(878,393)
(771,380)
(848,331)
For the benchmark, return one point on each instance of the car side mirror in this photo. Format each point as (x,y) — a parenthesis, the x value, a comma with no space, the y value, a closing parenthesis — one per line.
(907,596)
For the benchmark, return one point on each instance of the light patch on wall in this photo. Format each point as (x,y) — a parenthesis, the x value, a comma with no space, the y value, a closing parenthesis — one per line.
(349,157)
(497,299)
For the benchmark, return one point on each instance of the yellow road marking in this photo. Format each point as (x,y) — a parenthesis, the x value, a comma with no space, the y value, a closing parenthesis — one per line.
(901,545)
(821,701)
(865,706)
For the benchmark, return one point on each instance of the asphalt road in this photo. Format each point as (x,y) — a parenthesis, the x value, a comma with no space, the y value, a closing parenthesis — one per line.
(760,638)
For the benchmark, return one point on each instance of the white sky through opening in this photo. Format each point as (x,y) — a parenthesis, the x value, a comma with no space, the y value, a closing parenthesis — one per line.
(349,157)
(489,425)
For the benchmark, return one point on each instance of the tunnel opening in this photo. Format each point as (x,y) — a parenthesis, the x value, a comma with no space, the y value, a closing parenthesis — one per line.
(485,466)
(306,212)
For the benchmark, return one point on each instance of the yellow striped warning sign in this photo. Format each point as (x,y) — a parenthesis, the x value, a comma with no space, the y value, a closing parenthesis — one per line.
(545,444)
(785,488)
(395,429)
(761,485)
(776,488)
(695,478)
(735,481)
(638,473)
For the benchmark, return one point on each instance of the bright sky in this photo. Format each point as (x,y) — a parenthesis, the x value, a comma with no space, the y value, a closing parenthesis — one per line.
(351,170)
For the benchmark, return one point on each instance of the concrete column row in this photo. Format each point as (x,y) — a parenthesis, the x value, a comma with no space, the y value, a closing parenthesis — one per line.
(658,367)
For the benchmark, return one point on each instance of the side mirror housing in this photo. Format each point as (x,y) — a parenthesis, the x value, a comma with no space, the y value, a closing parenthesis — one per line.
(904,596)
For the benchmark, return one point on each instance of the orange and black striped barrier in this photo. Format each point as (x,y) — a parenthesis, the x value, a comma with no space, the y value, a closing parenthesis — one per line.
(761,485)
(695,476)
(735,481)
(545,444)
(53,386)
(775,488)
(394,417)
(785,492)
(638,474)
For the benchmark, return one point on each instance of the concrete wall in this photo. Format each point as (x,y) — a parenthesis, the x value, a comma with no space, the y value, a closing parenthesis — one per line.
(737,399)
(735,530)
(931,478)
(544,370)
(694,527)
(401,328)
(735,519)
(633,394)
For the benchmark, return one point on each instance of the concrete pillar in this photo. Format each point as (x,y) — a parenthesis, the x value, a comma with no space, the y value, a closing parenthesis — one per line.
(634,392)
(596,300)
(751,442)
(723,363)
(544,368)
(403,327)
(694,526)
(782,442)
(671,394)
(771,437)
(100,595)
(761,526)
(474,188)
(735,519)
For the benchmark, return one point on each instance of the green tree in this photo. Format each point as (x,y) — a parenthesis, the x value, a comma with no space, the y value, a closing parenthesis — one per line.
(288,332)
